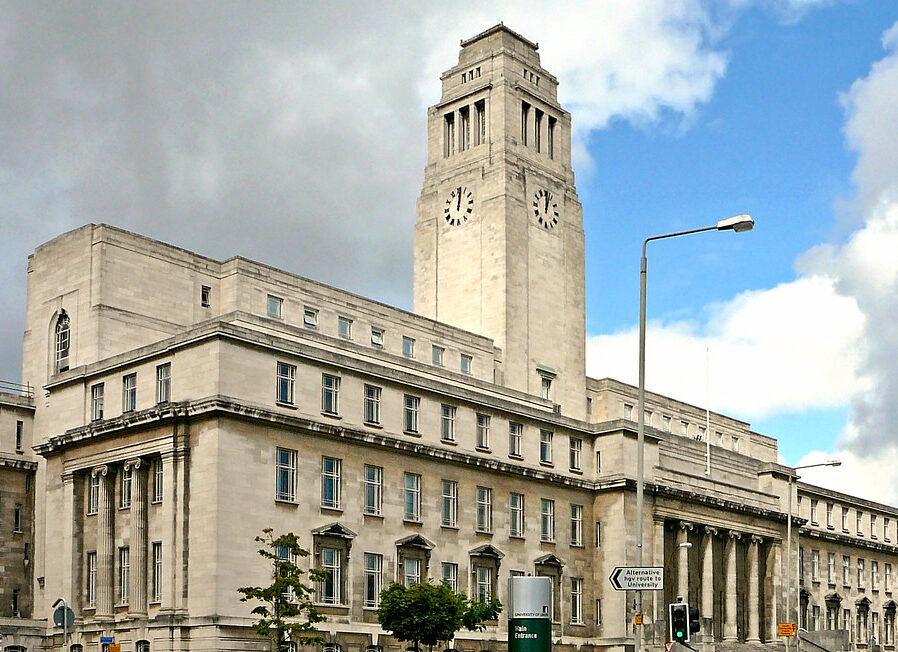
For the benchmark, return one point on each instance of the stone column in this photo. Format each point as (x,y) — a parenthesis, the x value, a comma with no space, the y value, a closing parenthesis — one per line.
(754,605)
(105,544)
(772,591)
(730,628)
(658,561)
(683,560)
(707,603)
(138,587)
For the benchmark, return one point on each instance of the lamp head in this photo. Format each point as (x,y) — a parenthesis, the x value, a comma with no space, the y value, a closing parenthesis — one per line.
(738,224)
(835,462)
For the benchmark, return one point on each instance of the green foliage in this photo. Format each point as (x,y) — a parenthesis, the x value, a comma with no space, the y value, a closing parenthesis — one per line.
(428,613)
(287,613)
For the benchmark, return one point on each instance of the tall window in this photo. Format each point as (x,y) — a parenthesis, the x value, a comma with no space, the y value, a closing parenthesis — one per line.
(547,520)
(91,587)
(598,534)
(831,568)
(846,570)
(813,512)
(96,401)
(63,342)
(125,486)
(483,431)
(124,573)
(873,525)
(546,388)
(887,578)
(860,529)
(275,307)
(438,353)
(20,429)
(844,519)
(515,430)
(516,515)
(450,503)
(286,382)
(576,446)
(373,489)
(17,518)
(525,119)
(411,571)
(330,482)
(372,404)
(545,446)
(412,404)
(874,575)
(885,529)
(93,494)
(158,478)
(285,483)
(373,579)
(551,143)
(829,515)
(163,383)
(484,509)
(480,123)
(577,600)
(450,575)
(330,394)
(329,589)
(412,497)
(205,296)
(538,128)
(484,582)
(129,393)
(576,525)
(860,573)
(157,572)
(447,424)
(815,565)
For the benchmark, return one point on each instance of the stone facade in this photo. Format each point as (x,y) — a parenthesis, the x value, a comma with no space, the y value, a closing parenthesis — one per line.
(186,403)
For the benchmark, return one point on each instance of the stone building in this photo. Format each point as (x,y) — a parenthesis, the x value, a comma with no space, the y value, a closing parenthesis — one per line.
(184,404)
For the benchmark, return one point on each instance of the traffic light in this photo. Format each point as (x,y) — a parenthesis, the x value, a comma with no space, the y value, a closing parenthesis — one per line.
(678,622)
(695,620)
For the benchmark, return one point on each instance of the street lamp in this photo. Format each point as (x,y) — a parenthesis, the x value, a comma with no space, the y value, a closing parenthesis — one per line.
(685,544)
(789,532)
(738,224)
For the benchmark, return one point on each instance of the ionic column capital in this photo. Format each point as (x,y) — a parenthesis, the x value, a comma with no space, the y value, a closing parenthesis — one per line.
(755,539)
(133,463)
(99,471)
(684,525)
(733,534)
(710,531)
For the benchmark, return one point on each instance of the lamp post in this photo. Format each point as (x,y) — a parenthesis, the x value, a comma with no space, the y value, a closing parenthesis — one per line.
(738,224)
(685,544)
(789,569)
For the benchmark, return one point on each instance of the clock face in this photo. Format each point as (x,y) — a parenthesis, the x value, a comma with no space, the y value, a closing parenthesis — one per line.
(545,209)
(459,206)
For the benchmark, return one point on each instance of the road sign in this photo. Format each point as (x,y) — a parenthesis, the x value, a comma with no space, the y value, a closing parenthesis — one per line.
(786,629)
(668,646)
(635,578)
(638,619)
(64,612)
(106,639)
(115,647)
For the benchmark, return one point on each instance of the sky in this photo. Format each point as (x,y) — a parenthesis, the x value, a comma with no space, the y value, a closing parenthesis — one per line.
(294,134)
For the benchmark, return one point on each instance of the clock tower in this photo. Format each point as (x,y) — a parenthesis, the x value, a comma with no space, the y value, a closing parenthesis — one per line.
(499,235)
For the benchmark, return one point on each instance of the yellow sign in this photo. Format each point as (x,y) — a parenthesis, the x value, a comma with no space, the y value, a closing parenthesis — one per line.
(782,629)
(638,620)
(115,647)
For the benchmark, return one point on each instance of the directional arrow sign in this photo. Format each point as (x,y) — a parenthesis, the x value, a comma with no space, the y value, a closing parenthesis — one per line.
(629,578)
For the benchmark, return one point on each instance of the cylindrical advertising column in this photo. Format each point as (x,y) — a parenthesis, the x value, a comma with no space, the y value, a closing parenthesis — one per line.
(529,614)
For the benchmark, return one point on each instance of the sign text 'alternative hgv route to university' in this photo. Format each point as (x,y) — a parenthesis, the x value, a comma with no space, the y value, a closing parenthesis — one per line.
(645,578)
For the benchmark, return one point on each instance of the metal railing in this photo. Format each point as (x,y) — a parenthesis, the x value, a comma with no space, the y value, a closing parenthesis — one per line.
(25,391)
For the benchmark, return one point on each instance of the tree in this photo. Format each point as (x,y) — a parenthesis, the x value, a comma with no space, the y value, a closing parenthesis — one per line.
(431,613)
(287,614)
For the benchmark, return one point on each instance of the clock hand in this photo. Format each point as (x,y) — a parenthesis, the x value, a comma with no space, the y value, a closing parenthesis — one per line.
(458,207)
(547,202)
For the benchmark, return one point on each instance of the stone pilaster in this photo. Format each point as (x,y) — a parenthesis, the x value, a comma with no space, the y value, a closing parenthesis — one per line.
(754,605)
(138,587)
(730,627)
(707,602)
(105,587)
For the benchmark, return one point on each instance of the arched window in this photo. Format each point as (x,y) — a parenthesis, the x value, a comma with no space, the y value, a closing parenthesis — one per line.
(63,342)
(332,647)
(143,646)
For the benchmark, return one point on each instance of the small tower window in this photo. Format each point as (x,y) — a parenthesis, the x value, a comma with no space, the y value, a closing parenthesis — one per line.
(449,135)
(464,128)
(63,342)
(538,132)
(525,118)
(551,137)
(480,125)
(205,296)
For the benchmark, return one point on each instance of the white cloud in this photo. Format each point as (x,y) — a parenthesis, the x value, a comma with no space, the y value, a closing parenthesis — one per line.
(874,478)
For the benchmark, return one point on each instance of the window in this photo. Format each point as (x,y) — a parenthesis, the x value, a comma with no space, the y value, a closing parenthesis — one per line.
(547,520)
(872,526)
(411,571)
(801,565)
(684,429)
(551,135)
(480,117)
(887,578)
(576,525)
(447,432)
(449,134)
(576,600)
(860,573)
(450,503)
(846,570)
(344,327)
(373,579)
(412,497)
(598,462)
(96,401)
(377,336)
(525,118)
(464,128)
(275,307)
(699,437)
(514,439)
(545,446)
(408,347)
(91,588)
(598,534)
(860,529)
(545,387)
(374,477)
(484,583)
(163,383)
(205,296)
(330,482)
(93,493)
(450,575)
(372,404)
(330,394)
(142,646)
(285,482)
(598,612)
(124,573)
(63,342)
(310,317)
(156,571)
(628,412)
(813,512)
(815,619)
(829,515)
(286,382)
(538,128)
(125,486)
(483,431)
(129,393)
(831,568)
(846,621)
(20,427)
(484,509)
(576,444)
(467,363)
(158,478)
(412,404)
(874,575)
(815,565)
(438,352)
(844,519)
(329,588)
(516,515)
(665,423)
(885,529)
(17,518)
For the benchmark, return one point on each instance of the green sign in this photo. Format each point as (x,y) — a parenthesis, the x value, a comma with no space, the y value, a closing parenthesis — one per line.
(529,634)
